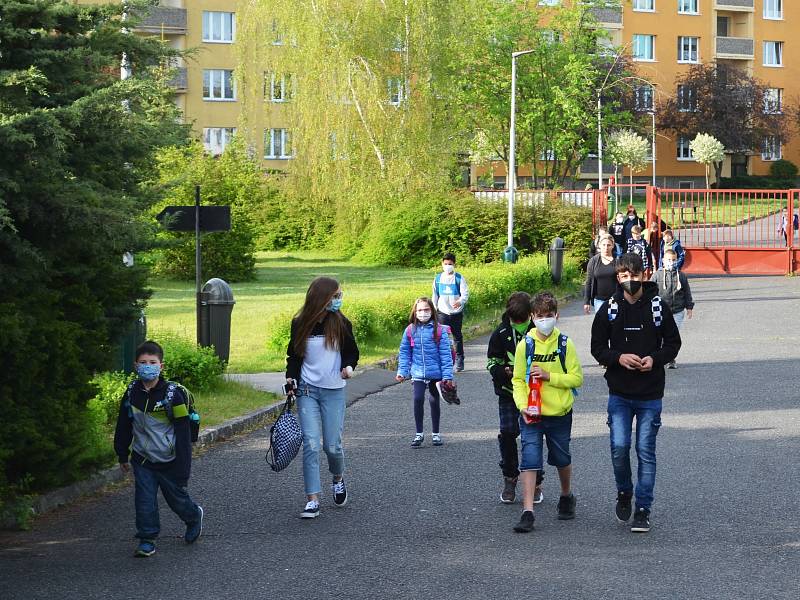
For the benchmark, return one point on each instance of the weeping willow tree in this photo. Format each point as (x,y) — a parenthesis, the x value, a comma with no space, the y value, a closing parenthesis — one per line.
(367,111)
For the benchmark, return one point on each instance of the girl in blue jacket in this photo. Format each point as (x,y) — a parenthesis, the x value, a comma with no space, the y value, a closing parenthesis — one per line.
(425,358)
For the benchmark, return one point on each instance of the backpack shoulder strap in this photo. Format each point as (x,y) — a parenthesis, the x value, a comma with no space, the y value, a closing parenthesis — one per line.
(655,306)
(562,351)
(168,401)
(437,334)
(410,336)
(613,309)
(458,280)
(530,350)
(127,399)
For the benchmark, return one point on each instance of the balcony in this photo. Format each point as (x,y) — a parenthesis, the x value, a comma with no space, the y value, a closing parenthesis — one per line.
(735,5)
(609,17)
(160,19)
(734,47)
(180,81)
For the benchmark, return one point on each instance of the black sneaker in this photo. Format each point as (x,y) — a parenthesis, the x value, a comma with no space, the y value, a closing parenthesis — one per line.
(566,507)
(525,524)
(623,509)
(339,493)
(311,511)
(641,521)
(417,441)
(193,530)
(459,363)
(509,493)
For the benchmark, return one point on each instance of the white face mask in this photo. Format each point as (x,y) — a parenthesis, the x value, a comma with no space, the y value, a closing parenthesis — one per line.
(448,269)
(545,325)
(423,316)
(669,264)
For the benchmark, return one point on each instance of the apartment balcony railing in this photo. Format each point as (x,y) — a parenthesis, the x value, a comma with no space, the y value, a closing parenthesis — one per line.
(162,19)
(738,5)
(732,47)
(608,16)
(180,81)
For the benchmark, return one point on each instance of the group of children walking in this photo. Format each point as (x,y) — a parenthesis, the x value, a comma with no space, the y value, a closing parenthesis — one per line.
(534,368)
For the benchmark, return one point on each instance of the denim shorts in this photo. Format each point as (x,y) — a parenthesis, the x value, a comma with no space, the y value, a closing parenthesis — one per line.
(556,431)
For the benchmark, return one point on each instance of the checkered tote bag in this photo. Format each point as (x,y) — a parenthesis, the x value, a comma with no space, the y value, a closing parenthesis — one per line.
(285,438)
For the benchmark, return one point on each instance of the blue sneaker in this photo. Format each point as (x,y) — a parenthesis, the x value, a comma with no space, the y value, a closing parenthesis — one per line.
(145,548)
(193,530)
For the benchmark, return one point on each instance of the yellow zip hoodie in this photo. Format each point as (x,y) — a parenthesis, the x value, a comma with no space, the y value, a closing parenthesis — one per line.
(557,394)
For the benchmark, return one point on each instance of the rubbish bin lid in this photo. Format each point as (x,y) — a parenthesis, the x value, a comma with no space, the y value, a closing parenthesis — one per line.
(217,291)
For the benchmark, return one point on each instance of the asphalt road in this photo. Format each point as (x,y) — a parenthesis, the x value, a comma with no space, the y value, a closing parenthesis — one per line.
(428,523)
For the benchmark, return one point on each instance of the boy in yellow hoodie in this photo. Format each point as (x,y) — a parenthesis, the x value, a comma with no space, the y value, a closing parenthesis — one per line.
(550,356)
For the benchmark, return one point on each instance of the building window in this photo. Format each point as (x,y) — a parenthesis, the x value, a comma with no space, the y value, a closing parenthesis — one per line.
(277,34)
(643,98)
(277,144)
(549,2)
(771,148)
(396,91)
(773,101)
(278,88)
(550,36)
(644,47)
(773,54)
(686,185)
(687,99)
(219,27)
(684,151)
(646,5)
(218,85)
(215,139)
(546,154)
(688,49)
(688,7)
(773,9)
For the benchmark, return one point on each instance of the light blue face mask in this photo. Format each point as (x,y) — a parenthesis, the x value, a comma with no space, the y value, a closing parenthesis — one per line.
(334,305)
(148,372)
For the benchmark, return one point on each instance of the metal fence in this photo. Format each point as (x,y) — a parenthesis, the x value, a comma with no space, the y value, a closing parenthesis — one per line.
(538,197)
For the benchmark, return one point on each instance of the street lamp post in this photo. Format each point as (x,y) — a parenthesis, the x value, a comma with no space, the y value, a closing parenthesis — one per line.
(653,141)
(512,169)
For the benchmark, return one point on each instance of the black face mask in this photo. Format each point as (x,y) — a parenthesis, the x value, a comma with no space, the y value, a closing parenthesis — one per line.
(631,286)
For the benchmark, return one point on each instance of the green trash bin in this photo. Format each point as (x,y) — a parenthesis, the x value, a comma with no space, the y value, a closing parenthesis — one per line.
(510,254)
(125,348)
(216,306)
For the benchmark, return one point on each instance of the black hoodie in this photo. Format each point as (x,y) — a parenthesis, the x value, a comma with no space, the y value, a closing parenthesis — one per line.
(634,332)
(502,347)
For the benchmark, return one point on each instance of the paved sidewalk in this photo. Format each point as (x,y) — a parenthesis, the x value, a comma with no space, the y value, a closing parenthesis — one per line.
(428,523)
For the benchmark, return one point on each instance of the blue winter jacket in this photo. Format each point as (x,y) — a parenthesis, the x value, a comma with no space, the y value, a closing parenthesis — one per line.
(427,359)
(676,245)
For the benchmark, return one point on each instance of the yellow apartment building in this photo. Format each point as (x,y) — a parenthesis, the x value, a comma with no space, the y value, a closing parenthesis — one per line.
(665,37)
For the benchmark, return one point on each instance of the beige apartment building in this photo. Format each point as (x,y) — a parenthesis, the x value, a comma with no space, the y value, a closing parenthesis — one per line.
(665,37)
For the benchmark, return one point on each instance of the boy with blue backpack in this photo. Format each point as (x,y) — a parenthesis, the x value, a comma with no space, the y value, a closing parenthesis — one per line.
(154,431)
(450,295)
(547,373)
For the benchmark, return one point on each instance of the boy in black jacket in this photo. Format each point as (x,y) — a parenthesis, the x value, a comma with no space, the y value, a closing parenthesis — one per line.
(160,448)
(634,335)
(516,322)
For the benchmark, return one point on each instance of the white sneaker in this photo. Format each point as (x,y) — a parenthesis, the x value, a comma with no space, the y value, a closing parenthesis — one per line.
(437,439)
(311,510)
(538,496)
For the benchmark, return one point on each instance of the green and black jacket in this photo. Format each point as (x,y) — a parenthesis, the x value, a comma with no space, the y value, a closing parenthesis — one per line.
(502,346)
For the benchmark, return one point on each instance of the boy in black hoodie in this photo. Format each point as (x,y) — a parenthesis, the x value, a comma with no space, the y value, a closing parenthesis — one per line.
(634,335)
(516,322)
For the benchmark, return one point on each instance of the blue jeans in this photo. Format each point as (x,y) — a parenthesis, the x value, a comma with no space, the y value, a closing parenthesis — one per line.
(321,414)
(621,412)
(146,501)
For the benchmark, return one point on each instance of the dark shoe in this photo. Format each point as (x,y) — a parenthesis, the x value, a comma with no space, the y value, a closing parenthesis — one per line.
(417,441)
(623,509)
(672,365)
(538,496)
(459,363)
(641,521)
(509,493)
(339,493)
(194,530)
(525,524)
(566,507)
(311,510)
(436,439)
(145,548)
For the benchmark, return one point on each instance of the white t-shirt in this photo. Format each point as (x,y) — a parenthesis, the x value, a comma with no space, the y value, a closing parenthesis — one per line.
(322,367)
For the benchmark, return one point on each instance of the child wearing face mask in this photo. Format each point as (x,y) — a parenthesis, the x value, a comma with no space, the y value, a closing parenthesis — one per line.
(158,444)
(450,295)
(617,231)
(673,287)
(670,242)
(550,357)
(426,359)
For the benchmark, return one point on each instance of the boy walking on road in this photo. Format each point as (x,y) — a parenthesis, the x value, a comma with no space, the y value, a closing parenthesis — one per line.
(450,295)
(673,287)
(634,335)
(545,365)
(153,428)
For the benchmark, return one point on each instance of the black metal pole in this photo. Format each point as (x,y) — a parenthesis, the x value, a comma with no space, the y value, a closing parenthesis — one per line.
(197,264)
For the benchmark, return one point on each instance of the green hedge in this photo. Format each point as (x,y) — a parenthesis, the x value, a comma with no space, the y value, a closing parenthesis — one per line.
(755,182)
(489,287)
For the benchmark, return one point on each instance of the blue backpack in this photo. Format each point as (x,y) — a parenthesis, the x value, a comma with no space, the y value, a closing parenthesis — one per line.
(561,350)
(445,289)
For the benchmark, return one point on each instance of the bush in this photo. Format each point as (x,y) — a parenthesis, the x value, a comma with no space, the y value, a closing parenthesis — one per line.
(783,169)
(110,386)
(755,182)
(196,367)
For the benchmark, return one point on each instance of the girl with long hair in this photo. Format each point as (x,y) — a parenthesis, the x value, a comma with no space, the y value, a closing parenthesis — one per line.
(321,356)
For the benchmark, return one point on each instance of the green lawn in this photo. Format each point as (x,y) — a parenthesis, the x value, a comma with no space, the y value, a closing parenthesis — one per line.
(281,282)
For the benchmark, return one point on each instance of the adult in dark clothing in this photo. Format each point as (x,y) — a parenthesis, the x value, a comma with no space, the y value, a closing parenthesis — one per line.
(594,247)
(634,335)
(617,231)
(630,221)
(515,323)
(601,276)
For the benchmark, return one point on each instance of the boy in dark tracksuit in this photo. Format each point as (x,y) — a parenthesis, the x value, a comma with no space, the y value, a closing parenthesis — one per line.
(634,335)
(516,322)
(160,448)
